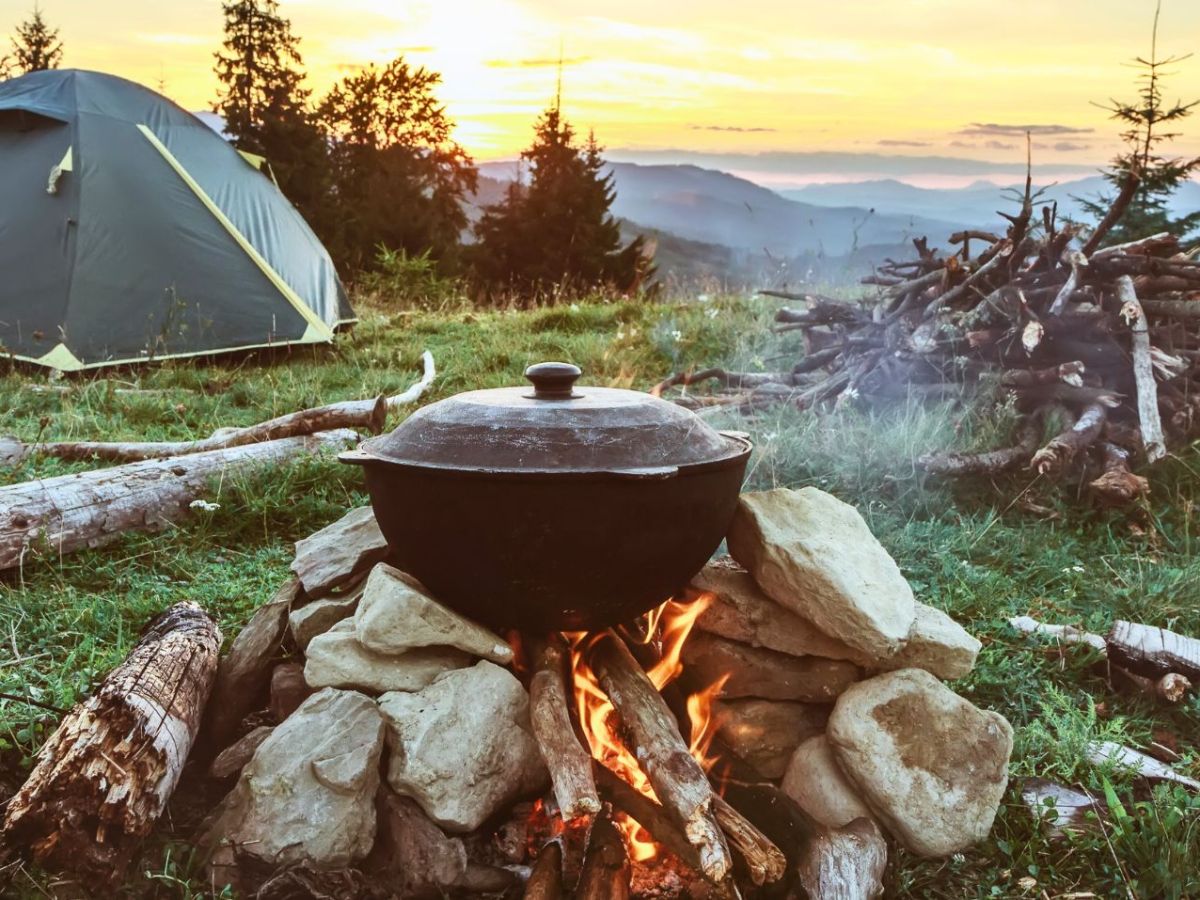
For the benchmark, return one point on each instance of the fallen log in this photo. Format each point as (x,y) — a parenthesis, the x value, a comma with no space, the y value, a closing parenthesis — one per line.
(988,462)
(606,872)
(681,785)
(366,414)
(569,763)
(104,777)
(1064,447)
(70,512)
(1154,651)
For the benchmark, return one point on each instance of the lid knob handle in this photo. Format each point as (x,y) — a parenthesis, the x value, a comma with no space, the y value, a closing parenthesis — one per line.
(553,380)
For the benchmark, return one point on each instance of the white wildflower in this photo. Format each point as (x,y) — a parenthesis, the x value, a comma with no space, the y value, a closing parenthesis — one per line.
(204,505)
(713,313)
(703,298)
(677,335)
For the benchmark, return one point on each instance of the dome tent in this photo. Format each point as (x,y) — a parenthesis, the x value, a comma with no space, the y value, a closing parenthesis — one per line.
(130,231)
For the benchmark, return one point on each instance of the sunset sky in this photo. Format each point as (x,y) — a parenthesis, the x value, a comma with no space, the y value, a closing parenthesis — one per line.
(919,78)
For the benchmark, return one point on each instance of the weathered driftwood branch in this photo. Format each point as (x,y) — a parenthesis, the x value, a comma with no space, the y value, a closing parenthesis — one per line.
(844,863)
(1154,651)
(569,763)
(606,871)
(1149,419)
(369,415)
(680,784)
(104,777)
(70,512)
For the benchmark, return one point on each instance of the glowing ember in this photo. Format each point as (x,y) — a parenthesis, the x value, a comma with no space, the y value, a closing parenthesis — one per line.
(669,626)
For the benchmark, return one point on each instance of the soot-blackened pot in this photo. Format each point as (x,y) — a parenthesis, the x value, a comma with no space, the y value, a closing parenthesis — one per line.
(556,507)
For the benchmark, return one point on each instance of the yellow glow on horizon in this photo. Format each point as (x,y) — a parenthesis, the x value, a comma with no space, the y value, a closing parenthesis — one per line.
(865,76)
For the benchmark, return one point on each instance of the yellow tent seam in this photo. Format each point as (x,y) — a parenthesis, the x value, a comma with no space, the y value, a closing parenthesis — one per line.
(314,321)
(60,358)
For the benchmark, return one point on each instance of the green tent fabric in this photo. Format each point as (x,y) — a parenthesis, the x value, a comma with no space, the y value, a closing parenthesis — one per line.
(130,231)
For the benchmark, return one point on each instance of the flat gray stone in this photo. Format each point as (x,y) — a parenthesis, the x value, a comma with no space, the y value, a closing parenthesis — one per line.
(765,733)
(396,614)
(754,672)
(338,552)
(740,611)
(462,747)
(308,793)
(319,616)
(936,644)
(816,782)
(929,764)
(337,659)
(814,554)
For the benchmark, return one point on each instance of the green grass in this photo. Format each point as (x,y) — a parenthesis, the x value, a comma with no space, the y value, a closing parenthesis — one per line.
(983,552)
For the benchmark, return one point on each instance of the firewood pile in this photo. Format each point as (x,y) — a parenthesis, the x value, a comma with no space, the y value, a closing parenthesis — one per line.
(770,732)
(1099,346)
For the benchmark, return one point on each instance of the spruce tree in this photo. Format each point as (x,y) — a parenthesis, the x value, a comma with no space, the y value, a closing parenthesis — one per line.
(397,173)
(266,106)
(35,47)
(555,235)
(1148,121)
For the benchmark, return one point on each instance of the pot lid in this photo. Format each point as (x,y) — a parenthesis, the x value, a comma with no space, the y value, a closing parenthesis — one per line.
(554,426)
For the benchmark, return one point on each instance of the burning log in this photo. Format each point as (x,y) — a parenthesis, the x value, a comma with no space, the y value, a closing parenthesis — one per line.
(647,812)
(606,871)
(104,777)
(680,784)
(545,881)
(569,763)
(764,861)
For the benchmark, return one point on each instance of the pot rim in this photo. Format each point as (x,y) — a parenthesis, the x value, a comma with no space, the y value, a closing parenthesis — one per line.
(742,447)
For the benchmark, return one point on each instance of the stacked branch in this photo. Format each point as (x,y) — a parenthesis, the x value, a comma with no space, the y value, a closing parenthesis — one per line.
(1107,338)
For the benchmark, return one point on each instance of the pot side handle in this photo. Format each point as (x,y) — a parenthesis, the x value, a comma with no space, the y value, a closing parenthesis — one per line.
(355,457)
(649,473)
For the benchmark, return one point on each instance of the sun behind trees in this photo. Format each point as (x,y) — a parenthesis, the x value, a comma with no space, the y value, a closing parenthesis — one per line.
(554,235)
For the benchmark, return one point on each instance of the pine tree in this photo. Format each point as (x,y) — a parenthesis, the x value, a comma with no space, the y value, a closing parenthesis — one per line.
(35,47)
(1146,121)
(555,236)
(266,106)
(398,175)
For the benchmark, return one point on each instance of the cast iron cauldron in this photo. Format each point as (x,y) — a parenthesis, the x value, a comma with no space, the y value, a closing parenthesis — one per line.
(556,507)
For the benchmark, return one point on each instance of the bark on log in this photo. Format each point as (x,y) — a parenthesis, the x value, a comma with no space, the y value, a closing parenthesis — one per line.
(70,512)
(569,763)
(1174,309)
(1117,486)
(1154,651)
(764,861)
(367,414)
(606,871)
(844,863)
(680,784)
(1113,216)
(1143,372)
(104,777)
(1063,448)
(647,812)
(546,879)
(988,462)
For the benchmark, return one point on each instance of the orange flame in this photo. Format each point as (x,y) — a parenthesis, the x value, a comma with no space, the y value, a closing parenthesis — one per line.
(670,624)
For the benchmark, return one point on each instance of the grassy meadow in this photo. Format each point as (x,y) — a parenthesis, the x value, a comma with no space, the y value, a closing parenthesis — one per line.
(983,552)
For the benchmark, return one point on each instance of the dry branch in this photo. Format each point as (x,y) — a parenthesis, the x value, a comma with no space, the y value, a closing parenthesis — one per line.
(764,861)
(365,414)
(680,784)
(569,763)
(606,871)
(71,512)
(1154,651)
(1064,447)
(1143,372)
(104,777)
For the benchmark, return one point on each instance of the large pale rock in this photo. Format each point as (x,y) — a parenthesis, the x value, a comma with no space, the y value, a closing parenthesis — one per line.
(308,794)
(396,614)
(765,733)
(741,611)
(815,555)
(337,553)
(319,616)
(462,747)
(936,644)
(754,672)
(337,659)
(929,764)
(816,782)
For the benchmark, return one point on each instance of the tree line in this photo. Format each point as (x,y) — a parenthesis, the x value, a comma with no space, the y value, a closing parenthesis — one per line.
(374,168)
